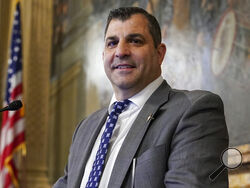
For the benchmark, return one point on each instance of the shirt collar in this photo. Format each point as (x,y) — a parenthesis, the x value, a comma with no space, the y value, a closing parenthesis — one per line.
(140,98)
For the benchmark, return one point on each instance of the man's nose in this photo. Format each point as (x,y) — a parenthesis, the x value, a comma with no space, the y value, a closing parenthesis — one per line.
(122,50)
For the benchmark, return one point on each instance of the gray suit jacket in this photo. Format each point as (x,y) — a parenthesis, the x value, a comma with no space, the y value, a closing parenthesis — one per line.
(179,147)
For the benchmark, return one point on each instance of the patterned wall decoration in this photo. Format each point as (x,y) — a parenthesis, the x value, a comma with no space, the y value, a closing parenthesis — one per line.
(208,47)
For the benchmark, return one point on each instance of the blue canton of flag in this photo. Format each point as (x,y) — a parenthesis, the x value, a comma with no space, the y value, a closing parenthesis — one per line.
(15,60)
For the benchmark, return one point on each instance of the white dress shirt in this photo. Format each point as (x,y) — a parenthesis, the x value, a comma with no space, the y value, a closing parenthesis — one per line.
(122,127)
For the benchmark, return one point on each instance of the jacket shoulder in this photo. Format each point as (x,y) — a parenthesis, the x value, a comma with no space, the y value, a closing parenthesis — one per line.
(193,96)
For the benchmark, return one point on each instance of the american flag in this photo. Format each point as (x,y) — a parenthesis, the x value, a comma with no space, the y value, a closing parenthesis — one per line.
(12,136)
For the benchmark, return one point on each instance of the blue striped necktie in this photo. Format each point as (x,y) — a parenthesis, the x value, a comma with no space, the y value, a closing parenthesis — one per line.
(98,165)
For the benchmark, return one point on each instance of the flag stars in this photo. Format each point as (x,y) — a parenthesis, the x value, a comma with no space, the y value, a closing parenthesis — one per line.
(10,71)
(9,61)
(16,49)
(16,13)
(18,40)
(15,58)
(16,22)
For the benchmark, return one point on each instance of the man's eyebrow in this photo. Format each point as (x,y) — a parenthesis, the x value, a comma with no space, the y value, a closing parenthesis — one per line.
(134,35)
(111,38)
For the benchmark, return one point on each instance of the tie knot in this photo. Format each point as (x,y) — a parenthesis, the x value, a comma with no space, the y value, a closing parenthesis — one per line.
(119,106)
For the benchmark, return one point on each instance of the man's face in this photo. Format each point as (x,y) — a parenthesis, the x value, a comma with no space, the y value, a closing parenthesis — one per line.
(130,58)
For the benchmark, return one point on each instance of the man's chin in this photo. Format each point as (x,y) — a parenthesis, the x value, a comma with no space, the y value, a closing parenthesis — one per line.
(124,84)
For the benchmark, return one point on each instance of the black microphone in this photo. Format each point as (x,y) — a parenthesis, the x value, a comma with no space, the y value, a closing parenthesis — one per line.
(14,105)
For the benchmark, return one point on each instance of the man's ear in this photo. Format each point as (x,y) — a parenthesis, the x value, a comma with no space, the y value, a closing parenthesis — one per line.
(161,50)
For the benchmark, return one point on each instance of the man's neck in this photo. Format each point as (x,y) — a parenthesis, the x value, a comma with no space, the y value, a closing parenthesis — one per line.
(121,95)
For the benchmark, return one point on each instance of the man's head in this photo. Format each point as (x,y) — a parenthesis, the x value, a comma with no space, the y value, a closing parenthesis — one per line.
(132,59)
(125,13)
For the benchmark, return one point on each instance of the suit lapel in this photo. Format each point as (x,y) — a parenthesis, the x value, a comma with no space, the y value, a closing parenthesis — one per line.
(136,133)
(84,148)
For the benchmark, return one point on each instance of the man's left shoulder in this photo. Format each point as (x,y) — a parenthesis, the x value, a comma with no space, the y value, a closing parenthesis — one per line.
(194,96)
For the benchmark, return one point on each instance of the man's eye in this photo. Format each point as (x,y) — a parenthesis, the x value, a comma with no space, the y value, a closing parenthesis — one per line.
(111,44)
(136,41)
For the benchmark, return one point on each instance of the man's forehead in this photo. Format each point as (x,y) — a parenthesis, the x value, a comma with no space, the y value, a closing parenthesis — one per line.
(135,24)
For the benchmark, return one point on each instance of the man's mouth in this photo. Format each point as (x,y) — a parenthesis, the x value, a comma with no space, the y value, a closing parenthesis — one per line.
(123,66)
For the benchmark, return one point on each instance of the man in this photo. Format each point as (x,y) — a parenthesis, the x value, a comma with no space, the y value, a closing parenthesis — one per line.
(161,137)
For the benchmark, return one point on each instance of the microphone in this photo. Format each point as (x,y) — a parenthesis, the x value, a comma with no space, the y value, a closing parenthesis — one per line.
(14,105)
